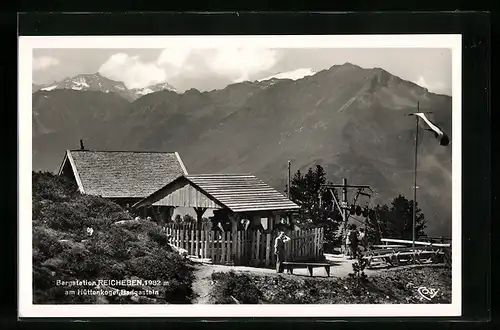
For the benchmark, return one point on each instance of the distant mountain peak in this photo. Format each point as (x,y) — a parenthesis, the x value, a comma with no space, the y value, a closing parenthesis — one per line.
(346,65)
(152,89)
(97,82)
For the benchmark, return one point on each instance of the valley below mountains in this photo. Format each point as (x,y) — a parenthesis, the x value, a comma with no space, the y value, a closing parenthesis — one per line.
(348,119)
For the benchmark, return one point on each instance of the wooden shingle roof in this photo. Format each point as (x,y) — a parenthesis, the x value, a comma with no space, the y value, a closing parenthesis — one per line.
(238,192)
(123,174)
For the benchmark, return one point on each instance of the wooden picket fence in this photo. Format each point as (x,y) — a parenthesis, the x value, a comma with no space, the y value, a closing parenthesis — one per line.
(249,247)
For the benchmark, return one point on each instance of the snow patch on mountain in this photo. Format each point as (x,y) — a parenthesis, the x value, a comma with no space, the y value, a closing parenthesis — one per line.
(293,75)
(153,88)
(144,91)
(97,82)
(80,81)
(49,88)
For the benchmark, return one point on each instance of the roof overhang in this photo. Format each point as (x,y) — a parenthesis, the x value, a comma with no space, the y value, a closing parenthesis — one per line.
(155,197)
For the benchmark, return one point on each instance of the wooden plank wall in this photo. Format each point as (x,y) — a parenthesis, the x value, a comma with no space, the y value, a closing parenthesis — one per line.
(245,247)
(185,195)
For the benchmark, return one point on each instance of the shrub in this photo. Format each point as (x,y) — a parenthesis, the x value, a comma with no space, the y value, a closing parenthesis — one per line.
(162,265)
(158,236)
(84,264)
(284,291)
(52,187)
(358,274)
(238,286)
(165,266)
(46,244)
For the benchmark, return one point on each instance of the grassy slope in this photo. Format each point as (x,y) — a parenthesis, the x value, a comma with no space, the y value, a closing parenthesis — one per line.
(63,250)
(389,287)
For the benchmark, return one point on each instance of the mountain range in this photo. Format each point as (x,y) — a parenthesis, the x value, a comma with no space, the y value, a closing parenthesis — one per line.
(349,119)
(97,82)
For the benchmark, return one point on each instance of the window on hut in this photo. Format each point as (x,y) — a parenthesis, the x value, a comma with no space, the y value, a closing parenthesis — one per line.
(264,222)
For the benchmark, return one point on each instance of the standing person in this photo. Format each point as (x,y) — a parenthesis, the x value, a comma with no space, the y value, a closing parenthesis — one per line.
(362,239)
(347,242)
(279,250)
(282,225)
(353,241)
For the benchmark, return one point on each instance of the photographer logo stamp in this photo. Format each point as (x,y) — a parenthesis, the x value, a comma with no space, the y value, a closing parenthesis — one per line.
(427,293)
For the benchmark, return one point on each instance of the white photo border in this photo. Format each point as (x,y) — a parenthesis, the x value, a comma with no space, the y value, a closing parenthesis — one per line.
(26,308)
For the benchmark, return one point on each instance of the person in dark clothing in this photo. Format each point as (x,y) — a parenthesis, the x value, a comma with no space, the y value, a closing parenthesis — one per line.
(353,241)
(279,250)
(362,239)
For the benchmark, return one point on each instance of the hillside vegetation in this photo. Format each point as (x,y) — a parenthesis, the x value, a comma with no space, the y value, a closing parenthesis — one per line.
(84,238)
(388,287)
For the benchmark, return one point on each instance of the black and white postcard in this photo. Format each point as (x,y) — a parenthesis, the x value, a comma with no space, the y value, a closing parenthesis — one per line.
(240,176)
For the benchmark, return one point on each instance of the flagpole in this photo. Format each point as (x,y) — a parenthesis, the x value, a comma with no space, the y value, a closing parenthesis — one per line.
(415,178)
(289,179)
(433,128)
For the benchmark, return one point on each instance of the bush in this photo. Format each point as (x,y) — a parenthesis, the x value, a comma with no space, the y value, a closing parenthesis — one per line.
(238,286)
(165,266)
(358,272)
(159,237)
(79,261)
(283,291)
(45,244)
(55,188)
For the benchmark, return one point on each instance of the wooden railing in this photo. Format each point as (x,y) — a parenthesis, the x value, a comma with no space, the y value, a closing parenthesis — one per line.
(402,241)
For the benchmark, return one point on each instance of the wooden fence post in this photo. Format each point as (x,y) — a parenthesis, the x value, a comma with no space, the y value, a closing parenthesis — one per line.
(192,242)
(197,241)
(268,248)
(223,247)
(211,239)
(204,244)
(238,248)
(230,244)
(257,250)
(179,238)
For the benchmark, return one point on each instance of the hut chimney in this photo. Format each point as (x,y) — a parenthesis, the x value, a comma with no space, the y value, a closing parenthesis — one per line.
(81,145)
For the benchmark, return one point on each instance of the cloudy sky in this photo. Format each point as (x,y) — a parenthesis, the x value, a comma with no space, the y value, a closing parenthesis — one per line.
(207,69)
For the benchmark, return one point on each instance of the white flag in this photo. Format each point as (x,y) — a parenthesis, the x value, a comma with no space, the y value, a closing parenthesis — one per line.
(444,140)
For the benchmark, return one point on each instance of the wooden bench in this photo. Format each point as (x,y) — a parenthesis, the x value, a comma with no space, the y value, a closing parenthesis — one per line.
(290,266)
